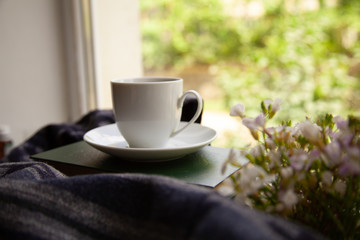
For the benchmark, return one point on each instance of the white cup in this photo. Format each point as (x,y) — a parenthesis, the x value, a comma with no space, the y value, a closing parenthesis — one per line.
(148,109)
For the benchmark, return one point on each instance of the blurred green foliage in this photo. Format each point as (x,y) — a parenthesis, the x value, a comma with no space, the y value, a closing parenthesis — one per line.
(311,60)
(185,32)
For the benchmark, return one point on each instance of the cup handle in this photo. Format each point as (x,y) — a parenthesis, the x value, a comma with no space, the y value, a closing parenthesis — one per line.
(197,113)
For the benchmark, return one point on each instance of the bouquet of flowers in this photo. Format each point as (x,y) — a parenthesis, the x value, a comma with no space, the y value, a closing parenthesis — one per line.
(308,172)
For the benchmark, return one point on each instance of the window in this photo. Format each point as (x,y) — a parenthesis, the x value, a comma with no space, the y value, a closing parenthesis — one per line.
(231,55)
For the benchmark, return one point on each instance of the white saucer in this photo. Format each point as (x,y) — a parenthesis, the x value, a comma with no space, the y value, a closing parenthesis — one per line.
(109,140)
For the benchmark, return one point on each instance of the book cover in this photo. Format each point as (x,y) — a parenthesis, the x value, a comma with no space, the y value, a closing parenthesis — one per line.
(202,167)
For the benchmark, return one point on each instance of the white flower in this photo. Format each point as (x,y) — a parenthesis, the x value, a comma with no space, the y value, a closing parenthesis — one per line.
(333,153)
(288,198)
(275,159)
(249,123)
(252,178)
(238,110)
(349,168)
(270,143)
(295,131)
(234,155)
(275,105)
(279,207)
(314,154)
(254,123)
(286,172)
(310,131)
(298,160)
(254,171)
(260,120)
(285,134)
(337,119)
(340,187)
(341,123)
(268,102)
(233,158)
(326,178)
(354,153)
(257,151)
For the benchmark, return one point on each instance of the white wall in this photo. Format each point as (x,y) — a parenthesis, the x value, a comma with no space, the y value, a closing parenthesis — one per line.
(32,69)
(34,75)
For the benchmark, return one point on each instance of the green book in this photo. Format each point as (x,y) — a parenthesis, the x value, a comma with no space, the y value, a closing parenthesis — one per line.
(202,167)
